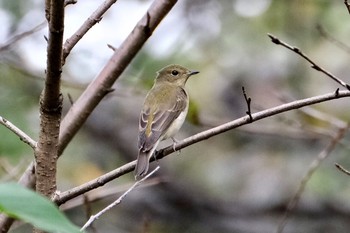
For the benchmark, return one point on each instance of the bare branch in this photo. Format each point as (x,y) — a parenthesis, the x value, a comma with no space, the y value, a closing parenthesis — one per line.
(89,23)
(121,58)
(313,167)
(102,180)
(22,135)
(313,64)
(118,201)
(50,103)
(342,169)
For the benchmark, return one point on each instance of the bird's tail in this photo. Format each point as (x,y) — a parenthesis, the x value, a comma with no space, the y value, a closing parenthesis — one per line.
(142,165)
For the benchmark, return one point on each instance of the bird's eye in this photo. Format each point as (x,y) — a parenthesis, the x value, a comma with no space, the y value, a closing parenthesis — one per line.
(174,72)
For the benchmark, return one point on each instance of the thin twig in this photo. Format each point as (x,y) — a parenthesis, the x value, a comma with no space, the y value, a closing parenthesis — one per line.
(102,180)
(248,100)
(313,64)
(313,167)
(347,5)
(21,36)
(118,201)
(342,169)
(22,135)
(94,18)
(112,47)
(70,98)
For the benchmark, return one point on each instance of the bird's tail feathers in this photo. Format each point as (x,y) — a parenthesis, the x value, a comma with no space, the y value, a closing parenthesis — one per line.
(142,165)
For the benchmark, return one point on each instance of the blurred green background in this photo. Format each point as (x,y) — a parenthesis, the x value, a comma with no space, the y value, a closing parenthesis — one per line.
(239,181)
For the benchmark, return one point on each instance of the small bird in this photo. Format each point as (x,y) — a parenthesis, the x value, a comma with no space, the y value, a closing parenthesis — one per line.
(164,111)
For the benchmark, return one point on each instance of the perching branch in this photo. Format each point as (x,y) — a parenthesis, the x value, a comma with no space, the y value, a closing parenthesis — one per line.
(313,167)
(22,135)
(313,64)
(118,201)
(102,180)
(89,23)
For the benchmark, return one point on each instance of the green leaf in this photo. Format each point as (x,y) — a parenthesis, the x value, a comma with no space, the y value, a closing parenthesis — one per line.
(24,204)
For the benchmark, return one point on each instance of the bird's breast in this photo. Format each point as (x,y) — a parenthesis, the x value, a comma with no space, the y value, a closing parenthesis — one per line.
(176,125)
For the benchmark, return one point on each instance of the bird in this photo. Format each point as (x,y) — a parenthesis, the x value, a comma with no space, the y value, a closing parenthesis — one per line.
(163,113)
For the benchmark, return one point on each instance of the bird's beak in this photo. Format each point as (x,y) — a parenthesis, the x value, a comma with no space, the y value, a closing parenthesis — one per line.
(193,72)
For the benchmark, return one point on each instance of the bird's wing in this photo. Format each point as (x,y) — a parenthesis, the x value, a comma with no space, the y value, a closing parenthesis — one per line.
(154,123)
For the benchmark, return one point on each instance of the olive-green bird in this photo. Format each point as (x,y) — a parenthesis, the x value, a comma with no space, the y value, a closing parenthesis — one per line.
(164,111)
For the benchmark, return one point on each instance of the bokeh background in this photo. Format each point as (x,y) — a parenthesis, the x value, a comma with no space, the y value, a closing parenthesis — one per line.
(239,181)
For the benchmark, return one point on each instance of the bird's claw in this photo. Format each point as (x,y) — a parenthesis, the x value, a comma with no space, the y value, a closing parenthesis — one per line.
(174,145)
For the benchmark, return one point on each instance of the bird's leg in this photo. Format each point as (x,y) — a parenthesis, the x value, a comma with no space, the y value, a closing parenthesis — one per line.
(174,145)
(155,157)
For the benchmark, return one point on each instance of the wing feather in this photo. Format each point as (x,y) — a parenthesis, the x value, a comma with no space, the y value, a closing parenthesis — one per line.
(154,122)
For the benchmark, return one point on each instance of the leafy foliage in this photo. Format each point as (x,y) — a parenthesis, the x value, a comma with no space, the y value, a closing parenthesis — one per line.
(26,205)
